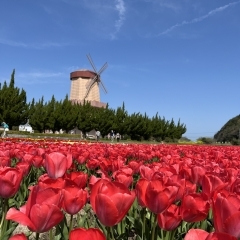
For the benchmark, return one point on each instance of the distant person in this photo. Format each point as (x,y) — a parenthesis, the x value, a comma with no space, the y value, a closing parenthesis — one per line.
(118,137)
(112,135)
(6,128)
(98,135)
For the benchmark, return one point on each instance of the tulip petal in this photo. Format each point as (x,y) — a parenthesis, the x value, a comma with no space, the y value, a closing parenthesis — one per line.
(45,216)
(20,217)
(106,210)
(232,225)
(220,236)
(86,234)
(196,234)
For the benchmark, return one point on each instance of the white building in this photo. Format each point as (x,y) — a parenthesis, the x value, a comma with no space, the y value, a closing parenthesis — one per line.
(26,127)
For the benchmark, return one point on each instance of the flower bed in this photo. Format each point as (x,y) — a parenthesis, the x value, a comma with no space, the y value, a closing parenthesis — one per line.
(118,191)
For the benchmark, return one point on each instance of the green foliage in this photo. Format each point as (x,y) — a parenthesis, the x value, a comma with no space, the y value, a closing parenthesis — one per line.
(235,141)
(229,131)
(13,106)
(206,140)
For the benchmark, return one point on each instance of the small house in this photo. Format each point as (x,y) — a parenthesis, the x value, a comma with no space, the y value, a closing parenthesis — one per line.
(26,127)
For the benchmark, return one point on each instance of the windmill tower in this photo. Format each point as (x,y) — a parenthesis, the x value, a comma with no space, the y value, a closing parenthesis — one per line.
(85,85)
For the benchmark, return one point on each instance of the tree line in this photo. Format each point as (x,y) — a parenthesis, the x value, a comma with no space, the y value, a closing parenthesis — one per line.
(65,115)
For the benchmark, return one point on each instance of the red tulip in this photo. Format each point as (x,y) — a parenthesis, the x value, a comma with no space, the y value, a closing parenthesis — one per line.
(10,180)
(5,159)
(196,234)
(122,177)
(226,214)
(197,174)
(41,212)
(37,161)
(184,186)
(110,201)
(199,234)
(211,183)
(20,236)
(194,207)
(220,236)
(86,234)
(146,172)
(57,163)
(44,181)
(159,197)
(170,218)
(24,167)
(140,189)
(79,178)
(74,199)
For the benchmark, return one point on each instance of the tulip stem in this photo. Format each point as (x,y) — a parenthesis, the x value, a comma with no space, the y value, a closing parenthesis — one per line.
(110,235)
(154,227)
(144,222)
(4,222)
(111,230)
(71,223)
(37,235)
(3,215)
(51,234)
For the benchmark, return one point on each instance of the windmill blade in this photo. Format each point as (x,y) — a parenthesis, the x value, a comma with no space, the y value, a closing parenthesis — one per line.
(92,81)
(103,86)
(91,62)
(102,68)
(90,85)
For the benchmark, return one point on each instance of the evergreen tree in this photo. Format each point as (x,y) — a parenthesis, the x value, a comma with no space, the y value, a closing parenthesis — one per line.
(39,116)
(120,117)
(106,120)
(50,114)
(66,114)
(84,119)
(13,104)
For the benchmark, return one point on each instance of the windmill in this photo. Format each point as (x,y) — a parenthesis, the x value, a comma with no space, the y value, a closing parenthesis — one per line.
(96,79)
(85,85)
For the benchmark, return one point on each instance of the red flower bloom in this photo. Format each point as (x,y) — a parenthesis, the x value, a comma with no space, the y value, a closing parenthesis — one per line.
(122,177)
(41,212)
(226,214)
(5,158)
(18,237)
(74,199)
(45,181)
(140,189)
(199,234)
(196,234)
(24,167)
(194,207)
(197,174)
(111,201)
(170,218)
(159,197)
(211,183)
(86,234)
(10,180)
(79,178)
(57,163)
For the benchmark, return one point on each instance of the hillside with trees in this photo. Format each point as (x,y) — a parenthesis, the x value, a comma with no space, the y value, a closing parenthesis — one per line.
(55,115)
(230,131)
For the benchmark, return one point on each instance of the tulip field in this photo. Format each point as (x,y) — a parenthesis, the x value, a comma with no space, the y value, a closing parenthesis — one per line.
(60,190)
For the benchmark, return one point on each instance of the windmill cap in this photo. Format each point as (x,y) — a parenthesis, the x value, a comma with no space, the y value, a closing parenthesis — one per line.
(82,74)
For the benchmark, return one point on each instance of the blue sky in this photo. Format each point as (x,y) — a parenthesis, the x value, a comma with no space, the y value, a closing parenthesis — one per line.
(180,58)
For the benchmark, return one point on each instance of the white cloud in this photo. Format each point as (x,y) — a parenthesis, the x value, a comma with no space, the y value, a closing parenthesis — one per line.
(39,74)
(32,45)
(199,19)
(164,4)
(121,9)
(40,78)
